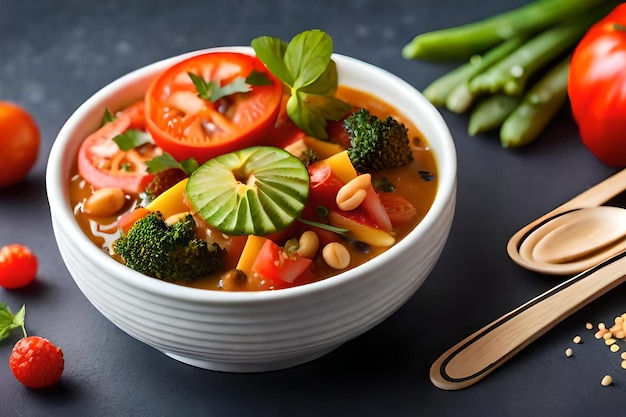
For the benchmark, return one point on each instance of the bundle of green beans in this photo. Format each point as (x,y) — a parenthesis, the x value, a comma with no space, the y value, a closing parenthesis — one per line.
(516,67)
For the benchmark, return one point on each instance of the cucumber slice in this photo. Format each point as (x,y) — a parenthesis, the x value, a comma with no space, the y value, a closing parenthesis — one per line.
(252,191)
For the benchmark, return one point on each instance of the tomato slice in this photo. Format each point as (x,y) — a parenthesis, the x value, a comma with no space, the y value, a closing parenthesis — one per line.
(186,126)
(103,164)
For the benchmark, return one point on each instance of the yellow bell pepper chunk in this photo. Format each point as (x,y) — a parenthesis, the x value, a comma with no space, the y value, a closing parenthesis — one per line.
(361,232)
(341,166)
(172,201)
(322,148)
(250,252)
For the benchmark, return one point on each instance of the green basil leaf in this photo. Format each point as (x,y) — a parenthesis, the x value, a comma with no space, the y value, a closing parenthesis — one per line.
(132,138)
(326,84)
(305,65)
(307,120)
(307,56)
(310,112)
(271,51)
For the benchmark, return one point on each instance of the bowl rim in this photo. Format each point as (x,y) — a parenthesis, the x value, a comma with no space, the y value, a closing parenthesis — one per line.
(62,212)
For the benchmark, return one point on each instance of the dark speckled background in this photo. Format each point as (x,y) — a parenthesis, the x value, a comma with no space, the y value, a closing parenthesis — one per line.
(54,55)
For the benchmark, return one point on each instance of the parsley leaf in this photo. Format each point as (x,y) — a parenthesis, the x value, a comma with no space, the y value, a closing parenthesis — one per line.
(258,78)
(213,91)
(108,117)
(305,65)
(132,138)
(10,321)
(166,161)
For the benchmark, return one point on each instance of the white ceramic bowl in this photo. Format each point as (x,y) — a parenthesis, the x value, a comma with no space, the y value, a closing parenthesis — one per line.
(253,331)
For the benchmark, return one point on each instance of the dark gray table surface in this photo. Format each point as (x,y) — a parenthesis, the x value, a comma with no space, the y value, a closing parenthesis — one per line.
(54,55)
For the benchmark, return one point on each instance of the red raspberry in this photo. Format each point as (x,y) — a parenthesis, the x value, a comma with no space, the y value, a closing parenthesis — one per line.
(36,362)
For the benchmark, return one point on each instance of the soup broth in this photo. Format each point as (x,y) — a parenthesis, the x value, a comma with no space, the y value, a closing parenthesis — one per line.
(416,182)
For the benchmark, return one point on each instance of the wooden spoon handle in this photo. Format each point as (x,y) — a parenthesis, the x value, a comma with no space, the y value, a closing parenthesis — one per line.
(479,354)
(599,193)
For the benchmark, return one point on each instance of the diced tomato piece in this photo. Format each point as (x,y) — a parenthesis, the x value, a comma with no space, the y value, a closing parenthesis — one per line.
(127,220)
(399,209)
(376,211)
(324,188)
(274,263)
(337,133)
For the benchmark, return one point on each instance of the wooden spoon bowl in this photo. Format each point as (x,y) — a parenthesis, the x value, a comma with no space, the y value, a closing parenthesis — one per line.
(576,235)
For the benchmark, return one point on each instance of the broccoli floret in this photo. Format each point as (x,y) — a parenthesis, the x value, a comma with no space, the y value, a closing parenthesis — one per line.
(375,143)
(170,253)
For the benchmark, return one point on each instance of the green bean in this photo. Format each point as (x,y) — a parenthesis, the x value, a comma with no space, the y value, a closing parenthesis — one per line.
(439,90)
(462,42)
(539,105)
(512,73)
(461,98)
(490,112)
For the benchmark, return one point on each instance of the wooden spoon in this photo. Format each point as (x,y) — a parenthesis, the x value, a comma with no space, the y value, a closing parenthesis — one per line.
(482,352)
(528,248)
(575,240)
(485,350)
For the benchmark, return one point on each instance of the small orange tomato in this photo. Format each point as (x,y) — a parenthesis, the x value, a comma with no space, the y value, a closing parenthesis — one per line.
(19,140)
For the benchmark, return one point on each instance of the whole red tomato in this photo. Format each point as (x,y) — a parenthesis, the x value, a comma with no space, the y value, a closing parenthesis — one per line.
(18,266)
(19,141)
(597,88)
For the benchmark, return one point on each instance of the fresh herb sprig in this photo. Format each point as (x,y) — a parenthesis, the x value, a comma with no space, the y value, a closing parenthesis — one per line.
(132,138)
(306,67)
(166,161)
(213,90)
(10,321)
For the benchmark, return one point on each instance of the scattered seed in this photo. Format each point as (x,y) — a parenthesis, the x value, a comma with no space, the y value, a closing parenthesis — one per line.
(623,355)
(609,341)
(569,352)
(607,380)
(614,347)
(589,326)
(577,339)
(624,364)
